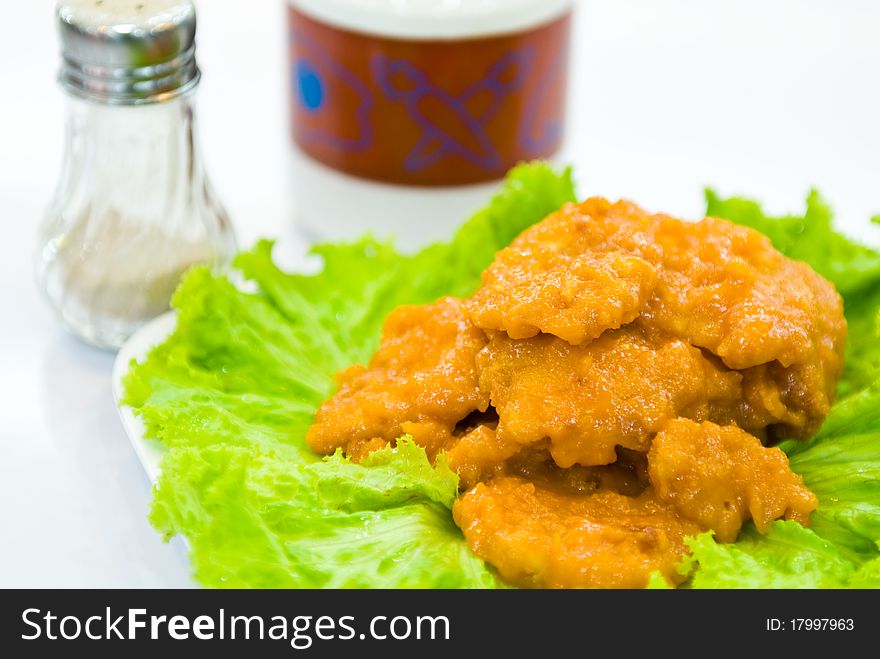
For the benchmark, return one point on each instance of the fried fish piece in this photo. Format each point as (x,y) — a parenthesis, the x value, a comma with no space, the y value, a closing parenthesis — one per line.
(618,390)
(537,537)
(422,381)
(720,477)
(717,286)
(725,289)
(584,269)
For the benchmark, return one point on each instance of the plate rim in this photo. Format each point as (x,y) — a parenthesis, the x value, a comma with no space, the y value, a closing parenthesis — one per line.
(149,451)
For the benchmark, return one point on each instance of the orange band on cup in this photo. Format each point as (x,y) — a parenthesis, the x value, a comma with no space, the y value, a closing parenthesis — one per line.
(427,112)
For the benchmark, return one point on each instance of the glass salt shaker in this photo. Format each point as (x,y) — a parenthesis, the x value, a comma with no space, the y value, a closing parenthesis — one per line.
(133,209)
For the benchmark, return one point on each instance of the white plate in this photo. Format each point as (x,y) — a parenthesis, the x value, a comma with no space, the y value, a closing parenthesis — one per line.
(149,451)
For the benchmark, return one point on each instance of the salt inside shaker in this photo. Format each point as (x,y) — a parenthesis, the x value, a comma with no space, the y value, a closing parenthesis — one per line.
(133,209)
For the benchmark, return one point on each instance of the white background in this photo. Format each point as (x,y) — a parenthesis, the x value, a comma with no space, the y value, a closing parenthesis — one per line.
(764,97)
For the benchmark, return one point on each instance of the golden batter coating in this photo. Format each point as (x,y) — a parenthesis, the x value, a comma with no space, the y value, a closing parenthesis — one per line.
(615,391)
(584,269)
(717,286)
(720,477)
(422,381)
(537,537)
(724,288)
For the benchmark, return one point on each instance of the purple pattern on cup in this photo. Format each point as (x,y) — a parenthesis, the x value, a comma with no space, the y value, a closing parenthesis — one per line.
(504,77)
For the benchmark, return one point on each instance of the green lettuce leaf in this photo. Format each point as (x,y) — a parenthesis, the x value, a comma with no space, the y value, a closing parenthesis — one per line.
(263,520)
(788,556)
(233,391)
(841,464)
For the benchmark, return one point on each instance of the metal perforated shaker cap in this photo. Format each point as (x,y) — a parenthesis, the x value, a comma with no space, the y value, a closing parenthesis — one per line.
(127,52)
